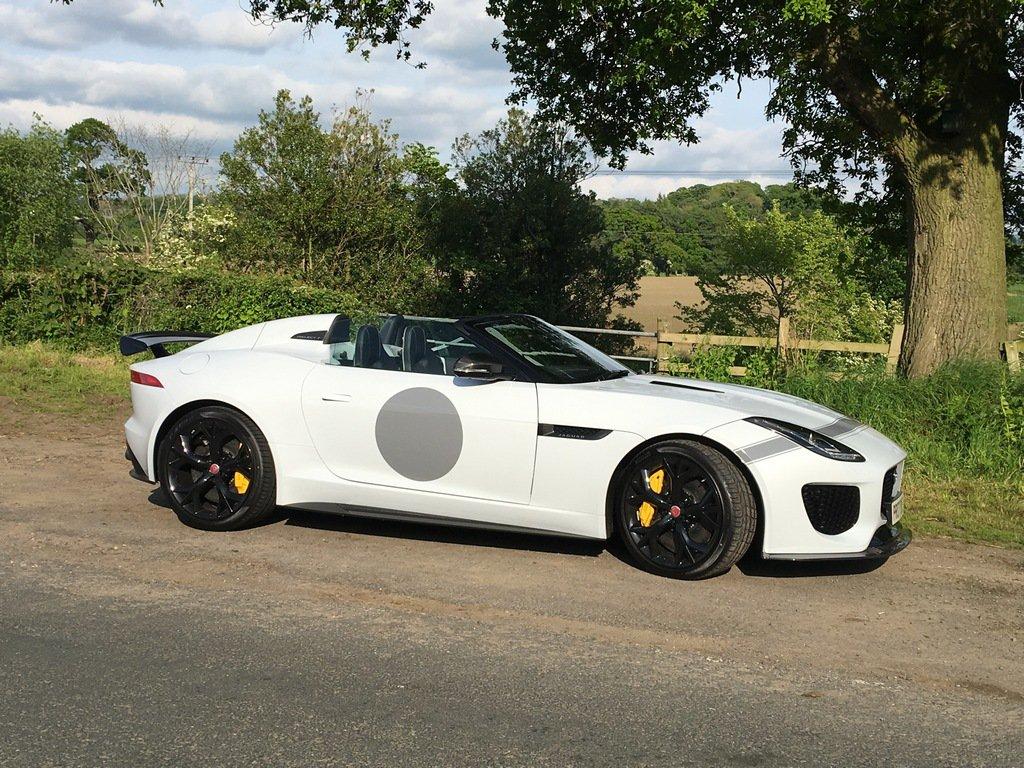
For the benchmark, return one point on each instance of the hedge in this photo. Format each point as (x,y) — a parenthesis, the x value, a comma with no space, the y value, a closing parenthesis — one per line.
(88,304)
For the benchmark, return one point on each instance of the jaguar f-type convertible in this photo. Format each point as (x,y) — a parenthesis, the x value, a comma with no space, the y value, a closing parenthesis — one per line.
(503,422)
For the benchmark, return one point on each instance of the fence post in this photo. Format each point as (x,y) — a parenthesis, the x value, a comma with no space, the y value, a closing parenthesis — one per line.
(782,340)
(662,349)
(892,359)
(1012,355)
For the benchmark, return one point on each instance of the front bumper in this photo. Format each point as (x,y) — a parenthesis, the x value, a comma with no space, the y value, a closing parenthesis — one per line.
(887,541)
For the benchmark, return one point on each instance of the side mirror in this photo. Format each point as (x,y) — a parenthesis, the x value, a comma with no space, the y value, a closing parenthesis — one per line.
(480,366)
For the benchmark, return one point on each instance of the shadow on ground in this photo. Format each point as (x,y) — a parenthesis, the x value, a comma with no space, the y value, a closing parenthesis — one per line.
(751,565)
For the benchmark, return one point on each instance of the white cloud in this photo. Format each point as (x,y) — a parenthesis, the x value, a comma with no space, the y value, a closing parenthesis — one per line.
(82,25)
(18,112)
(204,66)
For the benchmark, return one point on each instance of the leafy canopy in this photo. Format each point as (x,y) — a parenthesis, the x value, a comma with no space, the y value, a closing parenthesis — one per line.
(336,205)
(785,265)
(519,235)
(36,196)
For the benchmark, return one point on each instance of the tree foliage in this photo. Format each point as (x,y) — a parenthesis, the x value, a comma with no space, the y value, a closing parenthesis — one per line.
(104,169)
(333,205)
(918,94)
(802,267)
(36,196)
(520,236)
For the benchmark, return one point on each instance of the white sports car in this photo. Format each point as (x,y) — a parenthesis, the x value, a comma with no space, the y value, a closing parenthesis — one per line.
(506,422)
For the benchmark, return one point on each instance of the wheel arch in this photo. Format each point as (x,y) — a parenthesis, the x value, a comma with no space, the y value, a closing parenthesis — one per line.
(180,411)
(727,452)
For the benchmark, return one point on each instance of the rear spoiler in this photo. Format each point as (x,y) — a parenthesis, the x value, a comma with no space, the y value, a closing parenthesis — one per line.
(154,341)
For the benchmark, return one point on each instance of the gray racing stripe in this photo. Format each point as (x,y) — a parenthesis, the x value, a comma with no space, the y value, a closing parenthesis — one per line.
(839,427)
(771,447)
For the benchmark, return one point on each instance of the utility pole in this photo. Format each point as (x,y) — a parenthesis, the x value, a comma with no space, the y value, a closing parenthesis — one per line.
(192,163)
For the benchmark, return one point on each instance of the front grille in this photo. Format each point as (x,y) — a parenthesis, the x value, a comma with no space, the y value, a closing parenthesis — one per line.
(832,509)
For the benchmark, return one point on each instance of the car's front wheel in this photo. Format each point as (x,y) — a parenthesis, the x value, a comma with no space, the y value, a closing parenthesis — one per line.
(215,466)
(684,510)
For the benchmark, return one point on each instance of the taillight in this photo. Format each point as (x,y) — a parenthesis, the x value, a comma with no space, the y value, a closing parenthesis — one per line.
(138,377)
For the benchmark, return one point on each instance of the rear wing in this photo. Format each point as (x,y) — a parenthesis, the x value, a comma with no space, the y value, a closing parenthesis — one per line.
(133,343)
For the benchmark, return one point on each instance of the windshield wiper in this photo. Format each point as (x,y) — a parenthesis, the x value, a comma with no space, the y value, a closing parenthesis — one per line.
(613,375)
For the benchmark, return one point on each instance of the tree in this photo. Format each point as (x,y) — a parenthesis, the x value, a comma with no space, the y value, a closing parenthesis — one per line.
(786,265)
(521,236)
(36,196)
(921,93)
(101,159)
(337,206)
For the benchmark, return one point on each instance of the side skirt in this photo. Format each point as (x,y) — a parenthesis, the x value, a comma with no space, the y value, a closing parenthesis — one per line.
(416,517)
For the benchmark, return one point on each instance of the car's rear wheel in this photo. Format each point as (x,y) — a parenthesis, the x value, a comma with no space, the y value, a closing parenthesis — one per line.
(684,510)
(215,467)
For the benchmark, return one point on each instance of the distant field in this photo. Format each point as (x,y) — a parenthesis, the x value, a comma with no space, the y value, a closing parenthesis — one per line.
(658,297)
(659,294)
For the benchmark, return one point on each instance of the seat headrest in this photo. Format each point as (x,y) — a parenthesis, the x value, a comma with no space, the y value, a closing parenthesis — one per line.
(339,331)
(368,348)
(414,346)
(391,330)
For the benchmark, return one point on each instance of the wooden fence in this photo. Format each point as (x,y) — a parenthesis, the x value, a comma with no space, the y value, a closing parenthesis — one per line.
(667,344)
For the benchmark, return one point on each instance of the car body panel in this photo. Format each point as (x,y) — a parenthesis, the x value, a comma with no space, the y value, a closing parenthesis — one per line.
(338,445)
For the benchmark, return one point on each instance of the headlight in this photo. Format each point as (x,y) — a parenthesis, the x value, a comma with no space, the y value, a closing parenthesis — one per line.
(809,439)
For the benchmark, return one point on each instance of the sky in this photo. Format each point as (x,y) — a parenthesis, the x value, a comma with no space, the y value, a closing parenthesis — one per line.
(204,67)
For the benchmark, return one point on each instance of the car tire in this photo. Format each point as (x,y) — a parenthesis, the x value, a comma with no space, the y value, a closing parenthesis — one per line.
(216,469)
(695,520)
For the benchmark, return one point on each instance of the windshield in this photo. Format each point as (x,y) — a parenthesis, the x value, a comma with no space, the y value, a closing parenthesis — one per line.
(556,356)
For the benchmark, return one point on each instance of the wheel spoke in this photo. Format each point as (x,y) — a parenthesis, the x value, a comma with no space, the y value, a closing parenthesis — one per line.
(199,491)
(222,492)
(682,547)
(185,453)
(702,503)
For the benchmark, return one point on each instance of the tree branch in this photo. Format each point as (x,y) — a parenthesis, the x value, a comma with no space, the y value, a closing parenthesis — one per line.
(857,89)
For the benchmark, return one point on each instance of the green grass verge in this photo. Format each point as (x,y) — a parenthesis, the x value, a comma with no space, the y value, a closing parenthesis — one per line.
(963,429)
(964,479)
(43,379)
(1015,302)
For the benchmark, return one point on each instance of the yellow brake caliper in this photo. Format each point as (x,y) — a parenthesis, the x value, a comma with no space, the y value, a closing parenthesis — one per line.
(646,512)
(241,482)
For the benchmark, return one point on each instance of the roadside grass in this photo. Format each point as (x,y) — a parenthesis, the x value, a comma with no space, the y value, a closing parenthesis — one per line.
(964,478)
(1015,302)
(963,430)
(41,378)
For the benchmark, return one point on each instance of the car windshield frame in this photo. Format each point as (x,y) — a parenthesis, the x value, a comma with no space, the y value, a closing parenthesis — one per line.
(599,366)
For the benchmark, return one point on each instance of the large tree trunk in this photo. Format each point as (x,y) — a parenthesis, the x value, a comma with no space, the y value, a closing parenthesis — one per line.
(956,282)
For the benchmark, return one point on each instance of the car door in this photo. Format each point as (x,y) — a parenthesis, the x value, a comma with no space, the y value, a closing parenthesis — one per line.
(432,432)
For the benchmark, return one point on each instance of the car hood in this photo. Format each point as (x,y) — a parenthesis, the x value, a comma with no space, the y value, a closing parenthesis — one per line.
(741,401)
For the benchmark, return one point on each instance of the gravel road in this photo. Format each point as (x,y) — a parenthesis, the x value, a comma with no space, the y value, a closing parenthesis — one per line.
(129,639)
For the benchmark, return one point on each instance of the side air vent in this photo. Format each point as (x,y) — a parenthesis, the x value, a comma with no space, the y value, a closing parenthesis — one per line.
(832,509)
(686,386)
(888,487)
(572,433)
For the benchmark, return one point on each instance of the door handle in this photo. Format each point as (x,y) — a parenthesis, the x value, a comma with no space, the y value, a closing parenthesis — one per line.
(337,397)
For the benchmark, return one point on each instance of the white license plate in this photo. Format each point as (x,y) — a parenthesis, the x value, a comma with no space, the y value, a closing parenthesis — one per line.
(896,510)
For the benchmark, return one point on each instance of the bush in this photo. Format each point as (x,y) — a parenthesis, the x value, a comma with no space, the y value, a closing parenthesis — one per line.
(37,199)
(88,304)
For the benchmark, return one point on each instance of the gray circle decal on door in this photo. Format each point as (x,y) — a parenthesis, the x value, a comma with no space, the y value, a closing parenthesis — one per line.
(419,434)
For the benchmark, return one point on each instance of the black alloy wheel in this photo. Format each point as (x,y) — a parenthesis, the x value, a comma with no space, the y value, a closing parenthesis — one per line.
(215,467)
(685,510)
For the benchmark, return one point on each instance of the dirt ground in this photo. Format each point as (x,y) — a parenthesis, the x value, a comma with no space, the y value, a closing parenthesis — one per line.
(507,644)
